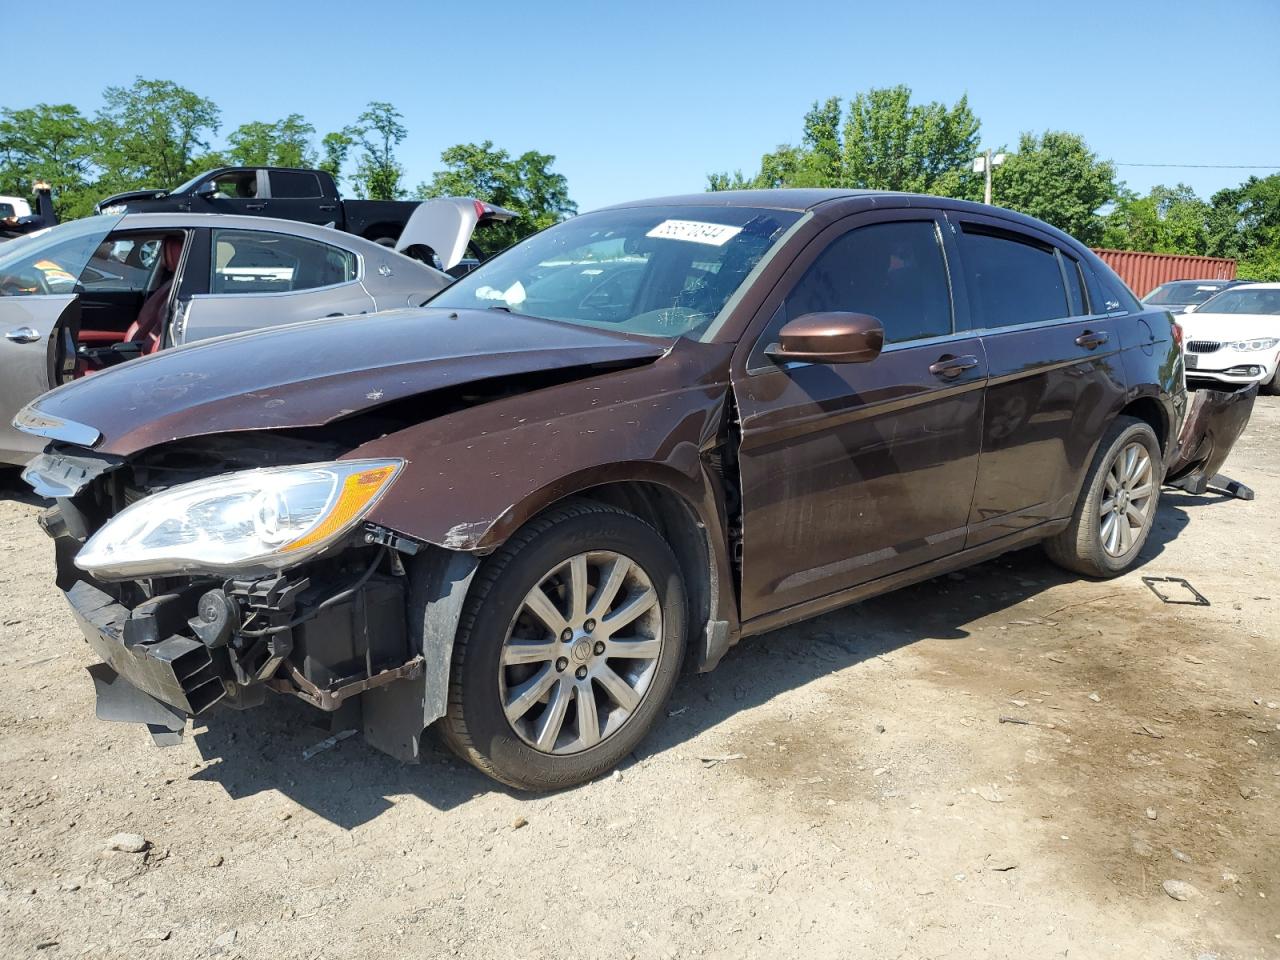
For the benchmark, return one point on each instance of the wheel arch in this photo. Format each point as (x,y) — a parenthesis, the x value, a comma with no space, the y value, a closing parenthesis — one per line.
(688,515)
(1153,413)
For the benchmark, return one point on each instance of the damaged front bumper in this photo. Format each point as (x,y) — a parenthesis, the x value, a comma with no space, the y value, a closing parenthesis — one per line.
(334,634)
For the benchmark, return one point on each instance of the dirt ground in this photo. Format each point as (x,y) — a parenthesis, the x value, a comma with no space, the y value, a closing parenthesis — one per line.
(872,804)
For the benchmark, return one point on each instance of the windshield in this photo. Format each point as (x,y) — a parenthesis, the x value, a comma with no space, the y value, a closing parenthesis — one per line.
(51,261)
(1244,300)
(657,271)
(1183,292)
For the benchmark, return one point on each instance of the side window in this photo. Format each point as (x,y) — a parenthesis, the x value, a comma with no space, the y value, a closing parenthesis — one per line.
(122,265)
(249,261)
(291,185)
(1011,279)
(236,185)
(1075,287)
(893,271)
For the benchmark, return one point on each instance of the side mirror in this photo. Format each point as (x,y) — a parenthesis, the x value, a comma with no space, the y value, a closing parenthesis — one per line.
(206,189)
(1189,308)
(829,338)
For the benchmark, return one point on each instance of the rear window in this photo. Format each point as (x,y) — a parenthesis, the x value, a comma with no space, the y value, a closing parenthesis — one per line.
(1012,279)
(250,261)
(290,185)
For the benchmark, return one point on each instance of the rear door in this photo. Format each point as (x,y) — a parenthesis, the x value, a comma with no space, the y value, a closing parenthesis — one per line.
(260,278)
(39,316)
(1054,367)
(299,195)
(853,471)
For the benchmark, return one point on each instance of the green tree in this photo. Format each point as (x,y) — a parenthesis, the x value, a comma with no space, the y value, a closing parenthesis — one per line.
(285,143)
(53,143)
(334,148)
(1056,178)
(1166,220)
(378,131)
(152,133)
(525,185)
(1244,223)
(882,141)
(892,144)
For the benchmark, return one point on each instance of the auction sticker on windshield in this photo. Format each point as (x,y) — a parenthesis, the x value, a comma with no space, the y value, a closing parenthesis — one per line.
(712,234)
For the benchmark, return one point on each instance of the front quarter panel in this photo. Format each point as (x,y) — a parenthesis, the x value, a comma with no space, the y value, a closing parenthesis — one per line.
(473,477)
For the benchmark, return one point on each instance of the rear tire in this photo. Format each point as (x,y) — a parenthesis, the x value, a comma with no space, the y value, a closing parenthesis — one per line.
(538,711)
(1117,504)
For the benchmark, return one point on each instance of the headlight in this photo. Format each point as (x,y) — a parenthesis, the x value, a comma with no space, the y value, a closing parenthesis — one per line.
(1264,344)
(114,209)
(246,522)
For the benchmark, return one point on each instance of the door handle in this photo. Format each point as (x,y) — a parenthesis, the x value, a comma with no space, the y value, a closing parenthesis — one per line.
(327,206)
(23,335)
(255,206)
(1090,340)
(950,367)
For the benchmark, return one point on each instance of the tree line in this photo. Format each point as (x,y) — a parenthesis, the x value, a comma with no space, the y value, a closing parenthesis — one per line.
(881,139)
(155,133)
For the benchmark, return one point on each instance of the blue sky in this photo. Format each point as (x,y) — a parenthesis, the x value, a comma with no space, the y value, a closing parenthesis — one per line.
(642,99)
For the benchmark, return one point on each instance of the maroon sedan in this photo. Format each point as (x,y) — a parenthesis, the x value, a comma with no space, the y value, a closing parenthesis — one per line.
(655,428)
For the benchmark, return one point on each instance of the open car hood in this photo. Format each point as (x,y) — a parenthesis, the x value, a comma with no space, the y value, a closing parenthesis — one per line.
(128,195)
(310,374)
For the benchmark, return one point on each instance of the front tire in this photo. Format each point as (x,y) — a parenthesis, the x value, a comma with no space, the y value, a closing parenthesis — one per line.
(568,647)
(1272,386)
(1117,505)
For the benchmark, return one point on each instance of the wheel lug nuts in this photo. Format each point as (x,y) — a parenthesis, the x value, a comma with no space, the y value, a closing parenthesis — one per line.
(562,664)
(589,626)
(581,673)
(599,648)
(567,635)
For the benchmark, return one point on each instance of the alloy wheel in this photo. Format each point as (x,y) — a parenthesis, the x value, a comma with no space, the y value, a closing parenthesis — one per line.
(581,652)
(1127,499)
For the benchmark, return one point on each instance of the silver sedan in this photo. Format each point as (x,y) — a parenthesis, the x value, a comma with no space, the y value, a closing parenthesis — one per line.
(86,295)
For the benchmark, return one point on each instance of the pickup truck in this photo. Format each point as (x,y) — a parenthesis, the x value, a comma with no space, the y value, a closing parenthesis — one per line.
(285,193)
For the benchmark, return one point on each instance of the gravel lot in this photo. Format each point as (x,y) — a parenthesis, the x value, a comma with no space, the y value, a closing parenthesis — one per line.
(869,800)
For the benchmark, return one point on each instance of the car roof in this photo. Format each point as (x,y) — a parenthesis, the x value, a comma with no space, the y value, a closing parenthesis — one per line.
(842,202)
(174,221)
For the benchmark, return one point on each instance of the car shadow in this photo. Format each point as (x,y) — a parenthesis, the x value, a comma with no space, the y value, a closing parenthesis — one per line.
(350,783)
(14,489)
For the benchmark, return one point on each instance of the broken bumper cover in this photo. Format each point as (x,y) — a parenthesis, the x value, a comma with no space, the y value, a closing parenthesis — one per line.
(1213,425)
(164,681)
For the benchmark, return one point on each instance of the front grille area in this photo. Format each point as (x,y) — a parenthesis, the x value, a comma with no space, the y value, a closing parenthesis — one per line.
(1203,346)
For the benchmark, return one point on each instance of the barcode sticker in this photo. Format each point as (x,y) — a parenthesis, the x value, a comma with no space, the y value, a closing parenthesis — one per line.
(694,231)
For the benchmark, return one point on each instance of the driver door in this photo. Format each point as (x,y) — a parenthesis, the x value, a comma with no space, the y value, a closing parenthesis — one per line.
(39,316)
(855,471)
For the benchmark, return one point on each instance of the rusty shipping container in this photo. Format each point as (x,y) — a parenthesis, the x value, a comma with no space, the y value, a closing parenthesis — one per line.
(1143,272)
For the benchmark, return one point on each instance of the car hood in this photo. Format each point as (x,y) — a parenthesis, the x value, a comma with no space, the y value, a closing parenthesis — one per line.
(1228,326)
(310,374)
(128,195)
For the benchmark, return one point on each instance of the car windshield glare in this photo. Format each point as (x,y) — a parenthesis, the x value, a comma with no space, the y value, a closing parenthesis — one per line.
(1179,293)
(662,271)
(1244,300)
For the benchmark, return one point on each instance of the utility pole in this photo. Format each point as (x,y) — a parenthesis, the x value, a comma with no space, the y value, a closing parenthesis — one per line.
(984,165)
